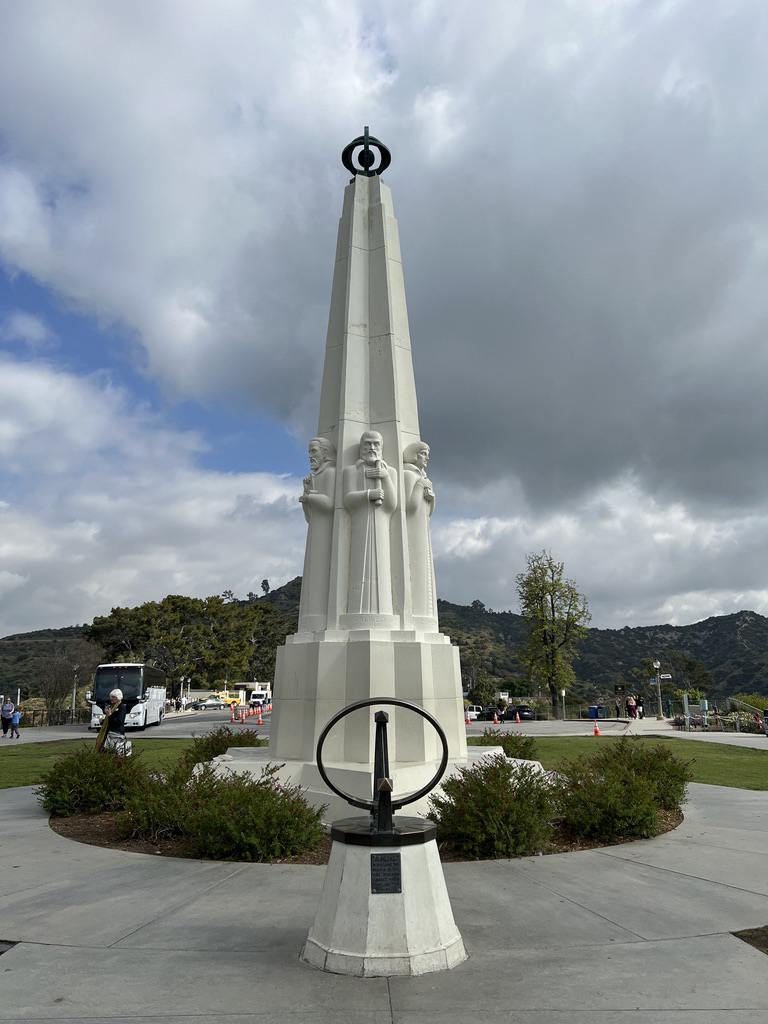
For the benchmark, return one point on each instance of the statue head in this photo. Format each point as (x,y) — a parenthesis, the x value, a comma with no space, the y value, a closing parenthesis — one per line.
(371,446)
(320,451)
(417,454)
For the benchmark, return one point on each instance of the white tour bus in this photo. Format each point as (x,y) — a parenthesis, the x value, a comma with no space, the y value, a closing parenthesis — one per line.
(143,689)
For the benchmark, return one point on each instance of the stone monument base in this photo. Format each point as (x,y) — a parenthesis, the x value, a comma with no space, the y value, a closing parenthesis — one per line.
(384,909)
(352,778)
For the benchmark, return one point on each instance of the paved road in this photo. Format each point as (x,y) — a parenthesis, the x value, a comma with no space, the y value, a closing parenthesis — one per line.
(183,725)
(176,725)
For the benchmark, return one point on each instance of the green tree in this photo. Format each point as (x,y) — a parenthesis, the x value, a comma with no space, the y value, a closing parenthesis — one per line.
(483,693)
(67,666)
(204,640)
(688,672)
(556,616)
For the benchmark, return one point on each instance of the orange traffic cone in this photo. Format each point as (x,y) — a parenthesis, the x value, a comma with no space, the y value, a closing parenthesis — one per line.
(233,719)
(467,719)
(517,717)
(597,728)
(258,720)
(495,718)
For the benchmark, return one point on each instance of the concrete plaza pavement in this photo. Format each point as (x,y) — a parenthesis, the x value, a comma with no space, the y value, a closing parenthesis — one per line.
(633,933)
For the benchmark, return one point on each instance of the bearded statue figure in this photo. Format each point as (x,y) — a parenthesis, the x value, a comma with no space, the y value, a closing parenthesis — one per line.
(317,502)
(419,500)
(370,497)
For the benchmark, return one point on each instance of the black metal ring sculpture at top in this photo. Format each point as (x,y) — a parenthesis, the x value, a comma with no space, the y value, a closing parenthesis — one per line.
(362,162)
(370,805)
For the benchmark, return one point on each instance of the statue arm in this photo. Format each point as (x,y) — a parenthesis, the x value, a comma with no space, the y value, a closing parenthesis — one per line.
(429,495)
(317,500)
(418,489)
(389,486)
(353,498)
(413,491)
(319,492)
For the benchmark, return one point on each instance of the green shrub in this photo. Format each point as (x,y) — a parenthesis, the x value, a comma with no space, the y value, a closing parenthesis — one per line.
(88,781)
(163,808)
(211,744)
(619,790)
(593,806)
(667,774)
(494,809)
(236,817)
(514,744)
(253,819)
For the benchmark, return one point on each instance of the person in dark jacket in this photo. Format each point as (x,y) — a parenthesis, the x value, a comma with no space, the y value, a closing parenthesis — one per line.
(115,718)
(6,713)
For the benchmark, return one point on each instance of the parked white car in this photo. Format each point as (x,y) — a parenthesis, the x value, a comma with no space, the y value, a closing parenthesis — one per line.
(473,711)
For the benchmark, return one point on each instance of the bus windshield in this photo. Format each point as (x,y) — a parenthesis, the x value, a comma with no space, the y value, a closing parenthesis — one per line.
(117,677)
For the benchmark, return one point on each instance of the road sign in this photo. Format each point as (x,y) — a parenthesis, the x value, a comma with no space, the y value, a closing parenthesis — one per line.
(618,689)
(665,675)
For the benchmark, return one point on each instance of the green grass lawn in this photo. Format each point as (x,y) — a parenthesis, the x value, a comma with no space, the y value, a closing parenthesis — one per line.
(25,764)
(715,763)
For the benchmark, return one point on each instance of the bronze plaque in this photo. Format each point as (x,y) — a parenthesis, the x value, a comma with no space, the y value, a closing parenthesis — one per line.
(385,872)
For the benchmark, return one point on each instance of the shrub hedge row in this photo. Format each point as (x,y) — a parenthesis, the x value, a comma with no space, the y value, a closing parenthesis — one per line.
(495,808)
(239,817)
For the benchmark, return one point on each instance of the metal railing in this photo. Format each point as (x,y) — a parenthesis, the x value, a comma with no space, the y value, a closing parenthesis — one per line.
(55,716)
(727,715)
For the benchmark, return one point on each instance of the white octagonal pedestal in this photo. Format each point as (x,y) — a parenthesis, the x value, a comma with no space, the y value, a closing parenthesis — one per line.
(384,934)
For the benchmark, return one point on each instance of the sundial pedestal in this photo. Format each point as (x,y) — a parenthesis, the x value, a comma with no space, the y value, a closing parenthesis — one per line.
(384,910)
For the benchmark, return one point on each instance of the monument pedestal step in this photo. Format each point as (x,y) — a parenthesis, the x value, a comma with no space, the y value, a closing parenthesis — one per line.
(354,779)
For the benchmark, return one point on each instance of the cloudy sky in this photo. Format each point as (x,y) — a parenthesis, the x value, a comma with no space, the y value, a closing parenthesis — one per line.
(581,192)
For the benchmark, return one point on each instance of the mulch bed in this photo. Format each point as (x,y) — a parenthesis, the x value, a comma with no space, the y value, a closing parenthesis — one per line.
(757,937)
(101,830)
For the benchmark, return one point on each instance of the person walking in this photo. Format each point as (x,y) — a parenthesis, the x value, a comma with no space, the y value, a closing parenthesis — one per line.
(631,706)
(15,719)
(6,714)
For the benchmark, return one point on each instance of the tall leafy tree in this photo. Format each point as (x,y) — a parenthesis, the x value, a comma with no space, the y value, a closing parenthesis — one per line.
(67,666)
(556,616)
(687,672)
(206,640)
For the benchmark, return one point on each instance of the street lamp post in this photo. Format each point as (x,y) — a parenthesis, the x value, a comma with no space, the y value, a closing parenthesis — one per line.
(657,666)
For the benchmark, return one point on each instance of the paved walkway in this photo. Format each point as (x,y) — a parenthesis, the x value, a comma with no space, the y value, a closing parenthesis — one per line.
(637,933)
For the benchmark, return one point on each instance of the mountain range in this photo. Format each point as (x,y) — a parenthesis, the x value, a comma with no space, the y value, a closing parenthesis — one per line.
(733,649)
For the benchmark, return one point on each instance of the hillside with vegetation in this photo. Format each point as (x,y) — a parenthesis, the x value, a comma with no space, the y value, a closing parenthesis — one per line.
(723,654)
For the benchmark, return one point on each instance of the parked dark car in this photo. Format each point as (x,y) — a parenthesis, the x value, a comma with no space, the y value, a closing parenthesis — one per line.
(526,713)
(487,714)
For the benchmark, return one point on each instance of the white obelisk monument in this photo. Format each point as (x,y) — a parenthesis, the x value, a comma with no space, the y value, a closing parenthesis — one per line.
(368,617)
